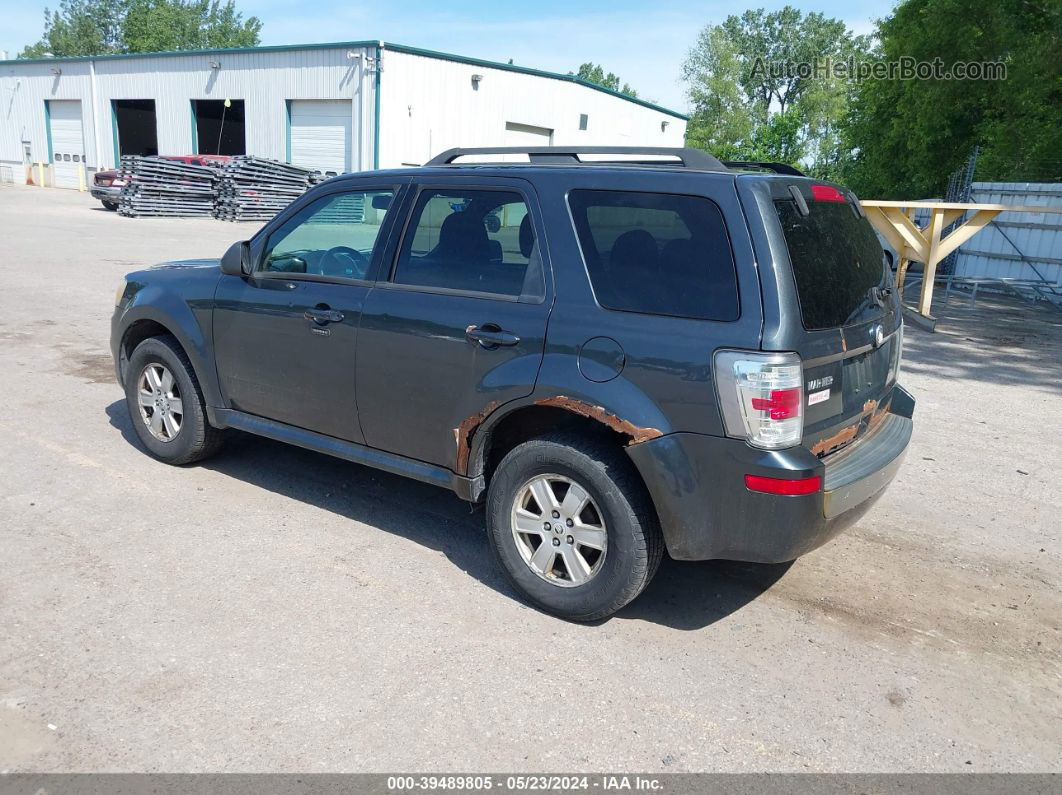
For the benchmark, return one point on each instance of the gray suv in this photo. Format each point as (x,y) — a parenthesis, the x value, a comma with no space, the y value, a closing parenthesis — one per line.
(620,351)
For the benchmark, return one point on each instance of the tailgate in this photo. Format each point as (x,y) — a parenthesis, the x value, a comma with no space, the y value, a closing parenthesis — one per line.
(848,330)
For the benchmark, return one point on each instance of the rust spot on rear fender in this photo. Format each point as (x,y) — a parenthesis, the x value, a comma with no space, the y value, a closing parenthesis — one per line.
(463,435)
(605,417)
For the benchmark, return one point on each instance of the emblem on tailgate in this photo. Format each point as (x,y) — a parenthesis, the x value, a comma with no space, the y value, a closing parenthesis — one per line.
(818,383)
(877,335)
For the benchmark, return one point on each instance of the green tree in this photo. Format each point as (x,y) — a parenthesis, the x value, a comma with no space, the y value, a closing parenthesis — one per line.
(81,27)
(103,27)
(907,136)
(751,100)
(595,73)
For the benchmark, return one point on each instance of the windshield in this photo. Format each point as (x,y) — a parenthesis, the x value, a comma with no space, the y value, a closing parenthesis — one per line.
(837,261)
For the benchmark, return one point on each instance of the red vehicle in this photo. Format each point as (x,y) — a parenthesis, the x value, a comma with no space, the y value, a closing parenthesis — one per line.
(107,185)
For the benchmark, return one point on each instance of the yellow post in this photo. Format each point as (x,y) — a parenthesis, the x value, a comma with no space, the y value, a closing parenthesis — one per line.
(81,177)
(929,272)
(40,173)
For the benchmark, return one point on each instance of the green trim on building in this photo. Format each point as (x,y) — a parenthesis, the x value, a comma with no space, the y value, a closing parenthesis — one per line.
(195,130)
(48,127)
(287,130)
(444,56)
(114,135)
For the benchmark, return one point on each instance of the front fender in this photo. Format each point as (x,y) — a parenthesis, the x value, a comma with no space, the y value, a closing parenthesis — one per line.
(189,322)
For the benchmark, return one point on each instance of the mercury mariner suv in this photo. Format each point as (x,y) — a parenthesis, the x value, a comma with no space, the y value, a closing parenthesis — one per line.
(620,351)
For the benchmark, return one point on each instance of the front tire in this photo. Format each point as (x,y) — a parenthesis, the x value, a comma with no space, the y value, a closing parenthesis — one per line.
(166,405)
(572,526)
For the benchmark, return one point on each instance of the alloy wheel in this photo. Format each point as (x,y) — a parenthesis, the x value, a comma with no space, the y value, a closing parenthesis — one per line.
(161,407)
(559,530)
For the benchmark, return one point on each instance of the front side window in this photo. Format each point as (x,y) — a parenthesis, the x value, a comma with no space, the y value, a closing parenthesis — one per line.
(333,236)
(478,241)
(656,253)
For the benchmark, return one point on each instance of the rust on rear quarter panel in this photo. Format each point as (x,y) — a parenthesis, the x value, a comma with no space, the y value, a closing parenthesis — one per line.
(463,434)
(626,427)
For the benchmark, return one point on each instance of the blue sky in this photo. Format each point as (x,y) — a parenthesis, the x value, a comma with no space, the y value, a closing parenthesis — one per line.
(644,43)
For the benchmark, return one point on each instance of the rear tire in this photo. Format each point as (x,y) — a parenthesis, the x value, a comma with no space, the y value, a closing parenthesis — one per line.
(166,405)
(537,561)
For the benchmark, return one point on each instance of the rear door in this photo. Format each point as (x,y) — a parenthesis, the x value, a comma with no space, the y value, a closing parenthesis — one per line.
(830,298)
(457,327)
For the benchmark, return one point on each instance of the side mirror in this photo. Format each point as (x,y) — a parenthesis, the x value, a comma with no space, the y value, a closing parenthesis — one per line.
(237,260)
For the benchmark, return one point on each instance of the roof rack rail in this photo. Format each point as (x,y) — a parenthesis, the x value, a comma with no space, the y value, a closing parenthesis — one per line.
(777,168)
(569,155)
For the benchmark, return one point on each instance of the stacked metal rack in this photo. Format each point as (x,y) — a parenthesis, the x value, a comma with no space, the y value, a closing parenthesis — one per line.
(157,187)
(255,189)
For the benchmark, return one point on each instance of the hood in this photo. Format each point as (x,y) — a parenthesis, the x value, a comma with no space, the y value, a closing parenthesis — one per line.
(186,263)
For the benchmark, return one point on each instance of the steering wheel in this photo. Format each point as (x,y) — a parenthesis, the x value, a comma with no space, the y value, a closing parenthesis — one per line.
(344,261)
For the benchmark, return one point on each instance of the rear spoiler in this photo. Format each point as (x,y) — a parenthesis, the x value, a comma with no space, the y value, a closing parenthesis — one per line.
(777,168)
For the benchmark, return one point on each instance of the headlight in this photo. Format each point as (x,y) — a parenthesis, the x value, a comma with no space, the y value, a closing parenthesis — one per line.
(120,293)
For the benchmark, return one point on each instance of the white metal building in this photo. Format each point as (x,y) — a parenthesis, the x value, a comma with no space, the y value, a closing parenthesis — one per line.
(346,106)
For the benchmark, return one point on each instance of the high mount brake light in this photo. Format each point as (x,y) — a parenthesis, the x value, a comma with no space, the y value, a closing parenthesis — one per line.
(827,193)
(761,396)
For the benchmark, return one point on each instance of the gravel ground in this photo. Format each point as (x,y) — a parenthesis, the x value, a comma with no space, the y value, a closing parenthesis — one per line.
(278,610)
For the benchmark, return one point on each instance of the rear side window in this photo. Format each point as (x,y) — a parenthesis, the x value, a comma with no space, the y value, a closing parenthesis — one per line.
(837,261)
(478,241)
(656,253)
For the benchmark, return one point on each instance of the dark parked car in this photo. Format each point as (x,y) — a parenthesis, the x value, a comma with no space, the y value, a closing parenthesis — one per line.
(107,185)
(619,358)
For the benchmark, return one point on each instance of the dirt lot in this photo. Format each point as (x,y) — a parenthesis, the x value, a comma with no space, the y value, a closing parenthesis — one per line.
(276,610)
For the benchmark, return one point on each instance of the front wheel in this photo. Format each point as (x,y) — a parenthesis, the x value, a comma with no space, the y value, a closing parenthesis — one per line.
(572,526)
(166,405)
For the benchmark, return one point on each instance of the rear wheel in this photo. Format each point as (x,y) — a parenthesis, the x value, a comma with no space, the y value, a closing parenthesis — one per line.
(572,526)
(110,205)
(166,405)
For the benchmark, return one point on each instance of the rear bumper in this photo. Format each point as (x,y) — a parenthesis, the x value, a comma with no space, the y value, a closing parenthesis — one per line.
(698,486)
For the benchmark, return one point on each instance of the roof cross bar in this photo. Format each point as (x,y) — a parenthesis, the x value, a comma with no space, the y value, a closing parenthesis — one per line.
(569,155)
(777,168)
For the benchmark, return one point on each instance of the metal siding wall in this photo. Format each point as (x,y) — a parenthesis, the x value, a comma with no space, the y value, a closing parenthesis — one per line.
(23,89)
(1039,238)
(264,80)
(429,105)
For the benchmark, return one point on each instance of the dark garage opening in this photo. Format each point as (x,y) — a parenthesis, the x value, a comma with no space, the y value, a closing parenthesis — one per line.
(137,126)
(219,130)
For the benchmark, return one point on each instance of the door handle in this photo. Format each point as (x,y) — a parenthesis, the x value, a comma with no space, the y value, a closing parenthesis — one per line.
(490,336)
(323,315)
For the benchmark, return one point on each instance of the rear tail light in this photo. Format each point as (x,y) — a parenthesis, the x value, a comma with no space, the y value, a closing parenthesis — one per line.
(761,396)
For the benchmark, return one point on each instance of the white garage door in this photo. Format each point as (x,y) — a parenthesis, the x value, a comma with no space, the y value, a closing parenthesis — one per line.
(68,143)
(527,135)
(320,134)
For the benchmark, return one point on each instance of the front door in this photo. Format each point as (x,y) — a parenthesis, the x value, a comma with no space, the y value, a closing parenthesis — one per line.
(458,327)
(285,336)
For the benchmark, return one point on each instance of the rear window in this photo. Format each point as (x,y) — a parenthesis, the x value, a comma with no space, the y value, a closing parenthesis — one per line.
(656,253)
(837,260)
